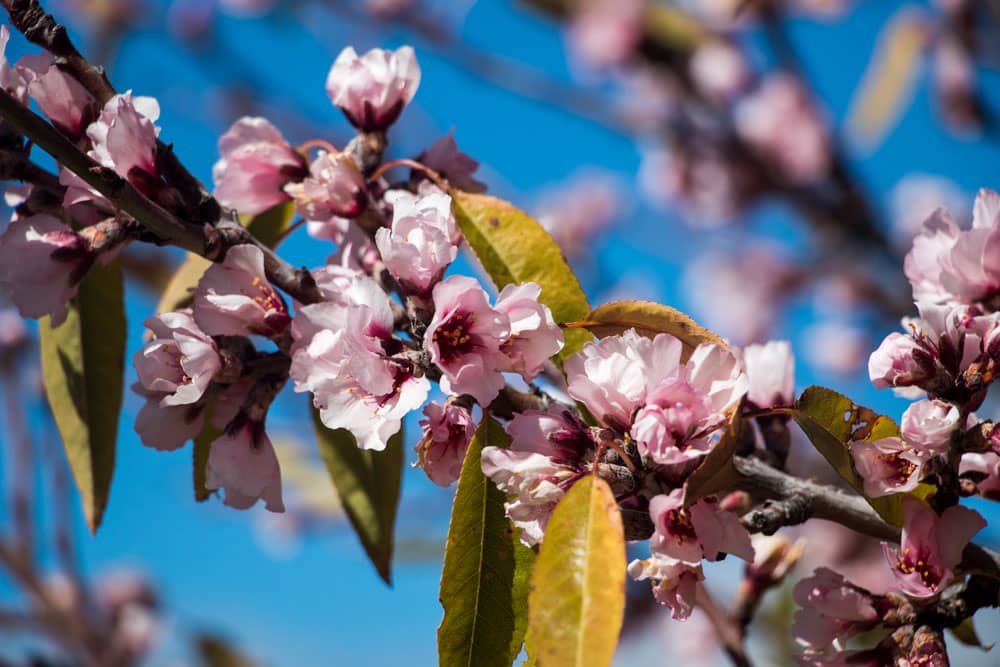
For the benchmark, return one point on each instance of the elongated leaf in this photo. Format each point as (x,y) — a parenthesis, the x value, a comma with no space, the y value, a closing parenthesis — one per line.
(648,319)
(889,83)
(202,448)
(716,470)
(368,484)
(514,248)
(267,227)
(484,584)
(83,366)
(578,587)
(831,421)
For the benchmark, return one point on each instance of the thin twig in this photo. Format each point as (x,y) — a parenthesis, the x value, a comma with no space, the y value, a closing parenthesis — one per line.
(728,634)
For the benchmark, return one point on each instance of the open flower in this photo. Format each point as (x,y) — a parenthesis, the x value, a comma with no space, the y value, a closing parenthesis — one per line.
(254,166)
(179,362)
(534,335)
(703,530)
(422,240)
(674,582)
(243,463)
(372,89)
(887,465)
(41,264)
(448,430)
(334,189)
(831,609)
(929,424)
(770,371)
(547,453)
(464,339)
(931,546)
(234,298)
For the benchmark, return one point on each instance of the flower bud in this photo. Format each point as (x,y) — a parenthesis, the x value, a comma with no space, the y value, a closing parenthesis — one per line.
(371,90)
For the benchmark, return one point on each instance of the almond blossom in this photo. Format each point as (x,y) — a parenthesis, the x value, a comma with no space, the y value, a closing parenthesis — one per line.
(334,188)
(234,298)
(62,99)
(243,463)
(464,339)
(422,240)
(448,430)
(11,79)
(930,547)
(831,610)
(534,335)
(41,264)
(254,166)
(547,453)
(887,465)
(674,582)
(372,89)
(929,424)
(700,531)
(770,371)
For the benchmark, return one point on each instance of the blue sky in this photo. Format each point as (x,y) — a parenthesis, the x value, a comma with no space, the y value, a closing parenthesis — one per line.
(325,605)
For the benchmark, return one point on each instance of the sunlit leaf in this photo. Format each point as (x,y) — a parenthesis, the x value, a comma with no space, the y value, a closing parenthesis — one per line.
(267,227)
(578,586)
(513,249)
(890,81)
(83,365)
(648,319)
(484,584)
(368,484)
(831,421)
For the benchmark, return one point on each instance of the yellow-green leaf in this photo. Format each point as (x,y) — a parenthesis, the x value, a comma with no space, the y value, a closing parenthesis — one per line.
(965,632)
(484,583)
(648,319)
(200,451)
(368,484)
(267,227)
(578,587)
(83,366)
(214,651)
(891,78)
(716,471)
(832,421)
(514,249)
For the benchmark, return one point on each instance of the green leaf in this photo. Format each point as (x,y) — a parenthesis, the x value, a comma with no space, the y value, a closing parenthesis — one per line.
(831,421)
(202,448)
(578,587)
(83,366)
(514,249)
(484,583)
(216,652)
(648,319)
(965,632)
(267,227)
(368,484)
(716,471)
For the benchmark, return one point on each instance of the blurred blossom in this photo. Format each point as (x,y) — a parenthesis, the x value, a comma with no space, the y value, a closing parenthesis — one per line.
(719,13)
(780,121)
(576,212)
(770,370)
(738,295)
(708,188)
(603,33)
(13,333)
(955,84)
(387,8)
(647,98)
(836,347)
(823,9)
(246,7)
(719,69)
(915,198)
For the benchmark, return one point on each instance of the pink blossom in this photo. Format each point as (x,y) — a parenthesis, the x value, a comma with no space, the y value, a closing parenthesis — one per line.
(779,121)
(11,79)
(603,33)
(674,582)
(887,465)
(900,361)
(950,265)
(448,430)
(234,298)
(545,457)
(929,424)
(60,97)
(836,346)
(179,362)
(422,240)
(984,469)
(770,371)
(719,69)
(707,186)
(254,166)
(683,413)
(931,546)
(446,159)
(700,531)
(342,353)
(464,339)
(915,198)
(167,427)
(124,136)
(534,335)
(831,609)
(242,461)
(372,89)
(334,188)
(41,264)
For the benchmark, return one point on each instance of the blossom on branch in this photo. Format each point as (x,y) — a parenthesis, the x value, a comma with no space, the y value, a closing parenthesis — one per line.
(372,89)
(243,463)
(422,240)
(334,188)
(447,432)
(831,610)
(234,298)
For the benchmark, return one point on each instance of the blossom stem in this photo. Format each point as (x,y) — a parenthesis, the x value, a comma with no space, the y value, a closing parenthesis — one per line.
(412,164)
(317,143)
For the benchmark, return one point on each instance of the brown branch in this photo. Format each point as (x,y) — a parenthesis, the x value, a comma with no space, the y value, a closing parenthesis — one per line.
(209,241)
(729,636)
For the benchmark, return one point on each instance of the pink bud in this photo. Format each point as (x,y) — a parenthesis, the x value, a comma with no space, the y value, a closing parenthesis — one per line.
(928,425)
(372,89)
(255,164)
(124,136)
(242,461)
(770,371)
(335,188)
(422,241)
(900,361)
(448,430)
